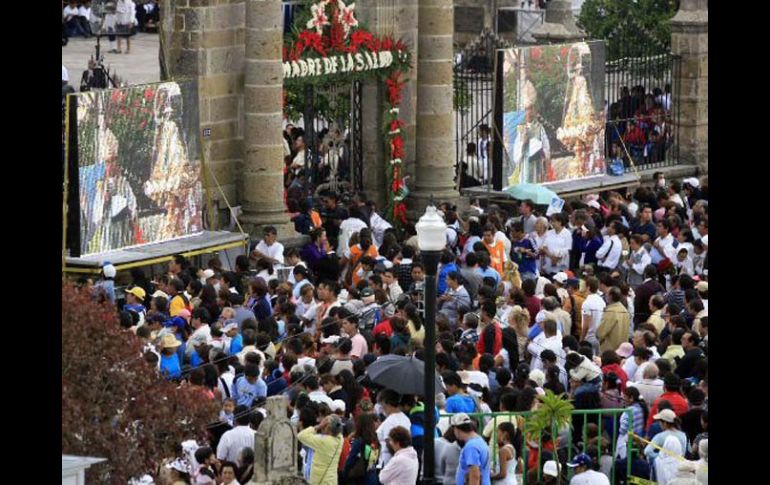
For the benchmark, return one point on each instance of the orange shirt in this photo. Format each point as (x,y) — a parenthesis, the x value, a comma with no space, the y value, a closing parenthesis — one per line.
(356,253)
(316,218)
(497,256)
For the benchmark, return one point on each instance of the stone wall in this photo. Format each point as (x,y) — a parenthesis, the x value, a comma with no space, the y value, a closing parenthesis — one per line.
(207,42)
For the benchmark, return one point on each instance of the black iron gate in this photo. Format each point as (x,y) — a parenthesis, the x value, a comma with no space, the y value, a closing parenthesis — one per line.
(642,92)
(332,126)
(473,103)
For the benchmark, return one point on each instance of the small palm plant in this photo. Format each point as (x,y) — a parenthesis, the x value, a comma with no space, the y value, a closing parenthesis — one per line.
(553,414)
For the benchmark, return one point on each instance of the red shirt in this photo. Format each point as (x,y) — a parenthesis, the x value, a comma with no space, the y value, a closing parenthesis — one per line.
(481,346)
(533,307)
(384,327)
(677,401)
(619,372)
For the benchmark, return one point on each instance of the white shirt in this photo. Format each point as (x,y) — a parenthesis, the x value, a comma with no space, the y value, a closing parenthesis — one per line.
(639,260)
(541,343)
(395,419)
(234,441)
(379,226)
(667,248)
(274,251)
(590,477)
(593,307)
(611,249)
(649,389)
(84,12)
(265,275)
(559,245)
(200,335)
(349,226)
(500,236)
(71,11)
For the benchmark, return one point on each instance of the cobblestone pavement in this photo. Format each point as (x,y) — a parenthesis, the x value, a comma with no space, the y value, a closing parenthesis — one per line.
(139,67)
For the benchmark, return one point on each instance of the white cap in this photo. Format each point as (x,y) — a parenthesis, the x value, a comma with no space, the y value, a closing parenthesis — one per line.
(65,76)
(109,270)
(458,419)
(551,468)
(594,204)
(159,293)
(208,273)
(537,376)
(692,182)
(560,277)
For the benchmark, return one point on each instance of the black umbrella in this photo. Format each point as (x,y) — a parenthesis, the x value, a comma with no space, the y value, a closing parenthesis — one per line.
(405,375)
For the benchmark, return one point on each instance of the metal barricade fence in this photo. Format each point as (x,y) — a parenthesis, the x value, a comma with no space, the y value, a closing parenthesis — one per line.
(606,419)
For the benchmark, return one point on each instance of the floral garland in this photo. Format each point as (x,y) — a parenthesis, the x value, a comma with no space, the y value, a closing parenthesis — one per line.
(328,46)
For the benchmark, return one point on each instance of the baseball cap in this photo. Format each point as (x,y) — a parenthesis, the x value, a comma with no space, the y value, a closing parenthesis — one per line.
(594,204)
(138,292)
(560,277)
(625,350)
(550,468)
(367,292)
(666,415)
(208,273)
(230,325)
(159,293)
(692,182)
(459,419)
(332,339)
(537,376)
(580,460)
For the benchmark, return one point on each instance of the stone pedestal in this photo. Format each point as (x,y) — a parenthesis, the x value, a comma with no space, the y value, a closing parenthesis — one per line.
(262,174)
(275,447)
(559,26)
(435,115)
(689,39)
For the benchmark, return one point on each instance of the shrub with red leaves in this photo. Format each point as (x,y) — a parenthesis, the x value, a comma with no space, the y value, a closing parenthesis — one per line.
(114,404)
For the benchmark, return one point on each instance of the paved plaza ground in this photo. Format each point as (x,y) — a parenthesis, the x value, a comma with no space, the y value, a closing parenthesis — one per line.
(138,67)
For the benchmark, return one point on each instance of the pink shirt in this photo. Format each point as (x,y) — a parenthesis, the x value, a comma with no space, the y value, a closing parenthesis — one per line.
(360,348)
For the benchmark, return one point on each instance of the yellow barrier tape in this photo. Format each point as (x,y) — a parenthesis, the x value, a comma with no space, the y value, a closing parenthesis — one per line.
(640,481)
(660,448)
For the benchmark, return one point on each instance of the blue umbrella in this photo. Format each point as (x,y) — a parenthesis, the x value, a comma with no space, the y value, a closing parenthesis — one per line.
(535,192)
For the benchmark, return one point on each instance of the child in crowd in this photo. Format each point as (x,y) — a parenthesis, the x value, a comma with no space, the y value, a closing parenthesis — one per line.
(228,411)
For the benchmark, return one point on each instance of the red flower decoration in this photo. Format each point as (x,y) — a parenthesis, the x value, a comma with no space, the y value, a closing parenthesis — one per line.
(399,212)
(149,94)
(398,147)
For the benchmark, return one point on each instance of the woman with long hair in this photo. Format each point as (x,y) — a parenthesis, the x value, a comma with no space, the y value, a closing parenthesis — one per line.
(518,319)
(508,357)
(414,323)
(634,402)
(265,270)
(208,296)
(360,468)
(259,301)
(355,391)
(401,336)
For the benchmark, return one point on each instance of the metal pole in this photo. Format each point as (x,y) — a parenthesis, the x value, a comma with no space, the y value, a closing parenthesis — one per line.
(430,260)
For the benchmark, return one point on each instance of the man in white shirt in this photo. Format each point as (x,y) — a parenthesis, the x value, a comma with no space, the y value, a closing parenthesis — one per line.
(609,254)
(556,246)
(269,248)
(548,340)
(315,392)
(650,387)
(390,284)
(663,247)
(584,475)
(404,466)
(202,332)
(238,438)
(390,403)
(593,311)
(349,226)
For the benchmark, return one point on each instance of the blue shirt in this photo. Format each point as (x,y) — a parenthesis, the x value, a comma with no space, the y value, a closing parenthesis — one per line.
(445,270)
(245,393)
(170,366)
(489,272)
(527,264)
(475,453)
(236,345)
(460,403)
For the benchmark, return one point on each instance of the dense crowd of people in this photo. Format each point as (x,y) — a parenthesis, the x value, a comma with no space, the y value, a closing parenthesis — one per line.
(605,304)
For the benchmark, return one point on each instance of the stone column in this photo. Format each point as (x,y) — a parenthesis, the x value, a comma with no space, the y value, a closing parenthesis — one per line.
(689,39)
(263,112)
(435,114)
(559,26)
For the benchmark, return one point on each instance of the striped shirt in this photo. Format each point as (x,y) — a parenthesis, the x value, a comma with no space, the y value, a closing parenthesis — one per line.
(638,421)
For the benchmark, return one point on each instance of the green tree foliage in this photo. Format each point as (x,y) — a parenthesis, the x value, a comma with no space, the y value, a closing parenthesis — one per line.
(629,25)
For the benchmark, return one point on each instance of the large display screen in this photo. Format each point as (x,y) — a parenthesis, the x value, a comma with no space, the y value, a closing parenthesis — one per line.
(139,170)
(553,113)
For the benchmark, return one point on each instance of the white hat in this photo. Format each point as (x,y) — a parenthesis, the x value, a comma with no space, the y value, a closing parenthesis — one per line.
(179,465)
(692,182)
(550,468)
(594,204)
(232,325)
(109,270)
(560,277)
(65,75)
(332,339)
(537,376)
(338,405)
(666,415)
(208,273)
(159,293)
(459,419)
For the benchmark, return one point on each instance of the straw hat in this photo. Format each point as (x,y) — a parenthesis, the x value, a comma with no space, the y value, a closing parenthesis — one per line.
(170,342)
